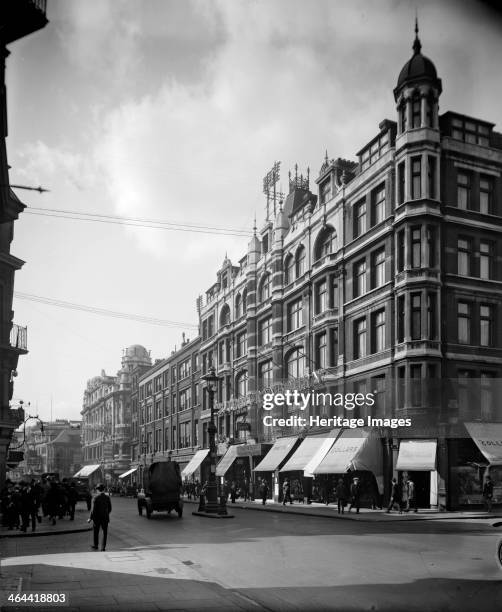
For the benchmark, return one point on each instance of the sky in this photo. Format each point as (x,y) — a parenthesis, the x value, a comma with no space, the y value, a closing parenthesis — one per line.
(175,110)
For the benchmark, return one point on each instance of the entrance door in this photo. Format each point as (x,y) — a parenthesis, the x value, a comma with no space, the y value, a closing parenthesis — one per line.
(422,482)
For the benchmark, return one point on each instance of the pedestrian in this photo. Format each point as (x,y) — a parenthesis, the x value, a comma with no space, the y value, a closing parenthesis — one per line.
(286,492)
(394,496)
(52,500)
(245,489)
(264,491)
(488,493)
(72,496)
(355,495)
(404,497)
(100,516)
(233,491)
(412,495)
(341,495)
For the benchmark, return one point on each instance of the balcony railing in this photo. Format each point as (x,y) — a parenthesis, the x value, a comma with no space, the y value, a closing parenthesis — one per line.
(19,337)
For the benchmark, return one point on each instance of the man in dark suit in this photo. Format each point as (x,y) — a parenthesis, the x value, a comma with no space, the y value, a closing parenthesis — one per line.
(100,516)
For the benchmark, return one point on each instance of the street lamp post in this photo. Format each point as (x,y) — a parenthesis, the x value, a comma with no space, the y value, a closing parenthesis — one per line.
(212,507)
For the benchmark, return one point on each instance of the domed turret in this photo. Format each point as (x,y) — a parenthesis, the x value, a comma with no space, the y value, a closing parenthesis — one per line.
(135,355)
(417,91)
(418,68)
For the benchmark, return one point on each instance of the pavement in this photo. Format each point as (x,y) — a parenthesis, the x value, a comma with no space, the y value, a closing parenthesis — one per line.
(365,514)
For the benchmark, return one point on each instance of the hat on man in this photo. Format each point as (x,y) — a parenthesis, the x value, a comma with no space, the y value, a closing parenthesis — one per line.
(100,487)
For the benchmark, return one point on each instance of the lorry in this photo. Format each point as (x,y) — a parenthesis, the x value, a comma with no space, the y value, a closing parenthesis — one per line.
(162,489)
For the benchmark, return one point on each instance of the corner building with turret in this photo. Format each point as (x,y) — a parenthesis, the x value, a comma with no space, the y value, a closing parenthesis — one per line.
(383,277)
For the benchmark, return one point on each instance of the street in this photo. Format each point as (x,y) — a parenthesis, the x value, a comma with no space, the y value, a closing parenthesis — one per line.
(265,560)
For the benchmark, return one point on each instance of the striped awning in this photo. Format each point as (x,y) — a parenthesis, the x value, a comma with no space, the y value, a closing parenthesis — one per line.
(194,462)
(87,470)
(310,453)
(128,473)
(226,461)
(276,455)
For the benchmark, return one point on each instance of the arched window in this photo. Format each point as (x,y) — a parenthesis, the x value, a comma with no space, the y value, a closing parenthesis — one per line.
(264,291)
(289,269)
(244,301)
(241,384)
(295,364)
(238,306)
(300,261)
(325,243)
(224,315)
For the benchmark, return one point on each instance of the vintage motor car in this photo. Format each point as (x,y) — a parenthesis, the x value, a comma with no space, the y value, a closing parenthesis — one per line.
(162,489)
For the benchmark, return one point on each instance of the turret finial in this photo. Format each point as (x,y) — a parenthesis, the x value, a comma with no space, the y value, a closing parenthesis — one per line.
(254,226)
(417,45)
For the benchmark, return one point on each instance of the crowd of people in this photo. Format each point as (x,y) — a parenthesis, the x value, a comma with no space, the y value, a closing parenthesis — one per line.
(27,503)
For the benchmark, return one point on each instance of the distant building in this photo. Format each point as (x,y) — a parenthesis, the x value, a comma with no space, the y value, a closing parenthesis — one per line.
(18,18)
(106,417)
(169,408)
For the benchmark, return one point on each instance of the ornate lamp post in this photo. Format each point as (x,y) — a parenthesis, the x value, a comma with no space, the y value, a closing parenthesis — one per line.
(212,507)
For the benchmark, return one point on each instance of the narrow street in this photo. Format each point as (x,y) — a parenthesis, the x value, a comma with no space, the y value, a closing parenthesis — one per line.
(266,561)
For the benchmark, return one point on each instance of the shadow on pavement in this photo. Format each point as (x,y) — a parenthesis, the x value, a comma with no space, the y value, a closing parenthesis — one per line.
(91,590)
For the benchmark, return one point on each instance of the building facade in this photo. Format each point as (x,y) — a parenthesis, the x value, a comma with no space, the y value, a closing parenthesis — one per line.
(18,19)
(106,417)
(384,278)
(169,408)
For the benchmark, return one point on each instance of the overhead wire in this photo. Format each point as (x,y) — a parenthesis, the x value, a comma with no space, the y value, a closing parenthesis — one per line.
(102,311)
(136,222)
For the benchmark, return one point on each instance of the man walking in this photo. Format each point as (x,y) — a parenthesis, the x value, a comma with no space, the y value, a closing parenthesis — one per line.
(394,496)
(488,493)
(286,492)
(355,495)
(100,516)
(412,496)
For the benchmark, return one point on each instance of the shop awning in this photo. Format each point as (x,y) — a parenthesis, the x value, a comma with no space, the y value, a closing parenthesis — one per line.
(353,450)
(128,473)
(226,461)
(417,455)
(309,448)
(87,470)
(194,462)
(488,438)
(276,455)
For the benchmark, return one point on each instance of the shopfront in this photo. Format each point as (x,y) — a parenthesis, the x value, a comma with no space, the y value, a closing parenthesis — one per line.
(416,460)
(354,453)
(268,468)
(299,468)
(193,468)
(471,459)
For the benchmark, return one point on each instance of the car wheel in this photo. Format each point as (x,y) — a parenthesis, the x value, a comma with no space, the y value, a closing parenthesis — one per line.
(499,553)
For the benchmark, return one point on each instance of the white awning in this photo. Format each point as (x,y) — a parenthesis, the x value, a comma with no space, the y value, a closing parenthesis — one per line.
(353,450)
(226,461)
(128,473)
(417,456)
(276,455)
(308,449)
(87,470)
(194,462)
(488,438)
